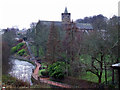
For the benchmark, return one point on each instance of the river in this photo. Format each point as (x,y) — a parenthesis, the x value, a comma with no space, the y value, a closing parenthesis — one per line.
(21,70)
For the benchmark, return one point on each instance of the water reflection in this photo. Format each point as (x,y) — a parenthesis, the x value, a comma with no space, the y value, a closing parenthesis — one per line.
(21,70)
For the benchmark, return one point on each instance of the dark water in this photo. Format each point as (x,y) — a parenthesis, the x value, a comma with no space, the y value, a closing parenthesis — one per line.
(21,70)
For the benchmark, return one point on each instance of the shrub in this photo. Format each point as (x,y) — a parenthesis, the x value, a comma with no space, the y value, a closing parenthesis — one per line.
(45,73)
(14,49)
(57,70)
(39,73)
(25,54)
(21,52)
(19,46)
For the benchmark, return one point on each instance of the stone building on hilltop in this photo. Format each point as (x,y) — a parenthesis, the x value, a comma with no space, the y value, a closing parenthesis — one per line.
(66,23)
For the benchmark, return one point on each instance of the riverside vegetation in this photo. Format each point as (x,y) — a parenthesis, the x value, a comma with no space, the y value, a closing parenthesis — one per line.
(64,57)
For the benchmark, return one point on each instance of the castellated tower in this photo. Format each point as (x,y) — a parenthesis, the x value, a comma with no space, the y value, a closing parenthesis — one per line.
(66,18)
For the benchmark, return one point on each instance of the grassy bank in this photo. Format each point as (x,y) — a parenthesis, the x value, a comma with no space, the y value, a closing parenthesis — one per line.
(93,78)
(23,59)
(12,82)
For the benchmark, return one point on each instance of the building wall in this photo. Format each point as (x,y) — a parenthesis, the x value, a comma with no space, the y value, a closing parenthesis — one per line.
(66,18)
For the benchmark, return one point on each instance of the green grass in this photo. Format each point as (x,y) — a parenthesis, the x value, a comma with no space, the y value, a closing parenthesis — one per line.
(90,76)
(93,78)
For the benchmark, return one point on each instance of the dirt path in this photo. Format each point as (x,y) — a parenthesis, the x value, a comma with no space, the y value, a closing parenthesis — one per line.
(37,68)
(35,73)
(54,83)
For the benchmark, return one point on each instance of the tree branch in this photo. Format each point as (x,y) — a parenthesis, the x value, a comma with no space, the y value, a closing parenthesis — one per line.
(89,70)
(96,59)
(94,67)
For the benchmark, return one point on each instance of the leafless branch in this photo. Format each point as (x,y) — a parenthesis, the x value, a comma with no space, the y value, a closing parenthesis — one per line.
(96,73)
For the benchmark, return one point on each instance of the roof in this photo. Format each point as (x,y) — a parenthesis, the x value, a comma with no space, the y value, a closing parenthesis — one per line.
(65,10)
(84,26)
(58,23)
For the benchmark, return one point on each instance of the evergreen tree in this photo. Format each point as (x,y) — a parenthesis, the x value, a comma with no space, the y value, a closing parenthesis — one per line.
(53,47)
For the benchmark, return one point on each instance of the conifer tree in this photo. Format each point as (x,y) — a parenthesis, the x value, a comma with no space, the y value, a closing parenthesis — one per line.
(53,47)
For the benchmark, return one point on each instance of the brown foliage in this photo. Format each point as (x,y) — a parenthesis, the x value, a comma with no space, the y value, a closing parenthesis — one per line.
(53,47)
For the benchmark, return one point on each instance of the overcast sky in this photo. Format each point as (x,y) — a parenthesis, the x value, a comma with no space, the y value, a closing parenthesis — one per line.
(21,13)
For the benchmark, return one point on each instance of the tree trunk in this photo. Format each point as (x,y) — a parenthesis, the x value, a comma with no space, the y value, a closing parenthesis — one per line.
(112,76)
(99,79)
(101,67)
(116,73)
(105,73)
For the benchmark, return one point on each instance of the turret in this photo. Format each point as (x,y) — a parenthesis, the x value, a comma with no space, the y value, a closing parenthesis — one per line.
(66,17)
